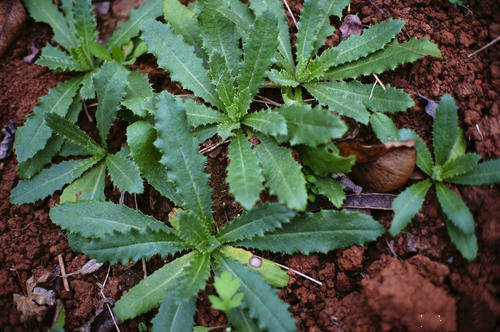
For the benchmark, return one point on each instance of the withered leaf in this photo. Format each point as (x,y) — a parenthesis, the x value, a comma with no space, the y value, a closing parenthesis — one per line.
(381,167)
(372,201)
(34,304)
(89,267)
(350,25)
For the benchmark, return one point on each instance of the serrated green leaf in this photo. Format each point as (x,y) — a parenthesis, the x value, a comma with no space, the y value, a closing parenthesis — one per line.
(48,180)
(244,173)
(192,230)
(283,174)
(465,243)
(139,97)
(226,286)
(110,84)
(57,60)
(267,122)
(177,57)
(225,129)
(241,320)
(325,159)
(487,172)
(193,278)
(94,219)
(331,189)
(455,209)
(173,316)
(318,232)
(269,270)
(238,13)
(34,134)
(356,47)
(151,291)
(183,21)
(30,167)
(130,247)
(184,164)
(424,157)
(87,91)
(262,218)
(282,78)
(140,138)
(89,187)
(445,129)
(384,128)
(203,133)
(393,55)
(73,133)
(261,300)
(99,51)
(460,165)
(70,149)
(258,51)
(45,11)
(222,79)
(85,25)
(151,9)
(124,172)
(407,204)
(459,147)
(200,115)
(311,126)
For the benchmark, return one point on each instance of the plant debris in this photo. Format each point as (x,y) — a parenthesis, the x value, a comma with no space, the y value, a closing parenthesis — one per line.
(372,201)
(7,141)
(350,25)
(35,303)
(35,51)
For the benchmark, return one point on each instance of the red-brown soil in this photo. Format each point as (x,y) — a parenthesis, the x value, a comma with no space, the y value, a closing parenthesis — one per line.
(415,282)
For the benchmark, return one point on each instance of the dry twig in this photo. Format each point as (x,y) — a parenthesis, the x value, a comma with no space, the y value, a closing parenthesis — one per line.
(63,273)
(291,14)
(485,46)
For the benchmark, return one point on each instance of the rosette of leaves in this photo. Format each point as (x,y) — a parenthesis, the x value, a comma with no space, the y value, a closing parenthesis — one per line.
(451,164)
(77,50)
(217,70)
(116,233)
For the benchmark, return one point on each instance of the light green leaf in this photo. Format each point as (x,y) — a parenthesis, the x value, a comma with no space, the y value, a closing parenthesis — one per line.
(407,204)
(311,126)
(356,47)
(99,51)
(258,52)
(282,78)
(384,128)
(424,158)
(174,316)
(73,133)
(460,165)
(465,243)
(226,287)
(325,159)
(140,138)
(45,11)
(262,218)
(267,122)
(127,30)
(87,90)
(130,247)
(85,25)
(459,147)
(124,172)
(49,180)
(95,219)
(260,299)
(34,134)
(318,232)
(225,129)
(445,129)
(57,60)
(192,230)
(393,55)
(200,115)
(193,278)
(331,189)
(222,79)
(244,173)
(184,164)
(151,291)
(283,174)
(238,13)
(487,172)
(177,57)
(139,97)
(183,21)
(455,209)
(110,84)
(89,187)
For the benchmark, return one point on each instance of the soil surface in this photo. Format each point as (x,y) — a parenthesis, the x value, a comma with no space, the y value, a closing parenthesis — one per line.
(416,281)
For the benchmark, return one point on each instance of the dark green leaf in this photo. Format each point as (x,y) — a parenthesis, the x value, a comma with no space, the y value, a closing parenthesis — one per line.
(267,122)
(139,98)
(445,129)
(193,278)
(487,172)
(465,243)
(460,165)
(124,172)
(325,159)
(174,316)
(455,209)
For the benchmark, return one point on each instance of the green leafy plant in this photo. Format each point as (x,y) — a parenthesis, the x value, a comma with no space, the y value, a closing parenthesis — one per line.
(115,233)
(78,51)
(85,175)
(227,78)
(451,164)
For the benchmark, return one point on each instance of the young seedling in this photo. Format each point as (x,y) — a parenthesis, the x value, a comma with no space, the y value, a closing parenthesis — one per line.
(227,78)
(451,164)
(78,51)
(115,233)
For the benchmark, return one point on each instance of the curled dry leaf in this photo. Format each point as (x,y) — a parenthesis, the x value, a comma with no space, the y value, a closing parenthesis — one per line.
(381,167)
(89,267)
(36,301)
(350,25)
(7,141)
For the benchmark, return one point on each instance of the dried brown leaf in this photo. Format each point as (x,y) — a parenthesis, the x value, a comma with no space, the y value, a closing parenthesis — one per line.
(350,25)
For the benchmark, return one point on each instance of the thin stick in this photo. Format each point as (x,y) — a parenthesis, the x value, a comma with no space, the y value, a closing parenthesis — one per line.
(270,101)
(484,47)
(104,298)
(291,14)
(377,7)
(87,113)
(379,81)
(213,147)
(63,272)
(373,89)
(144,269)
(300,274)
